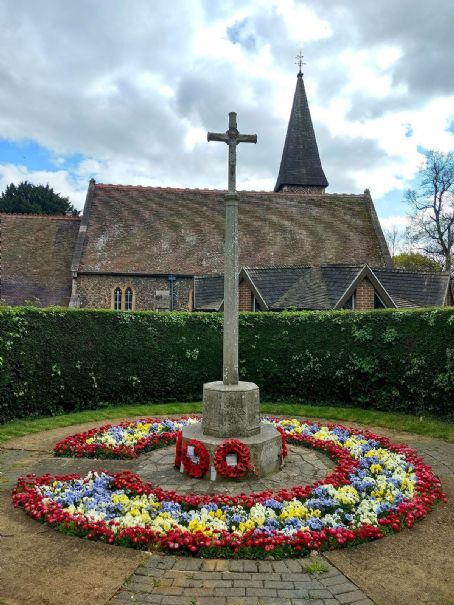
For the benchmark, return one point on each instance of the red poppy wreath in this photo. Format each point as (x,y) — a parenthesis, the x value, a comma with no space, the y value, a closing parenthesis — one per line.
(243,463)
(284,442)
(178,449)
(196,464)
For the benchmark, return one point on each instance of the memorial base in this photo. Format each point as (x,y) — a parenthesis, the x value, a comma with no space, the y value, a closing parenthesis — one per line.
(231,410)
(265,448)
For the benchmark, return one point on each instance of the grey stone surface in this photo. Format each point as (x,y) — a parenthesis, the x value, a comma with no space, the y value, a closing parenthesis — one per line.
(236,582)
(230,359)
(303,467)
(265,448)
(231,410)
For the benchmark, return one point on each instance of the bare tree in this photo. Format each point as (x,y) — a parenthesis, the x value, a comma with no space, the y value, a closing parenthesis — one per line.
(432,208)
(394,238)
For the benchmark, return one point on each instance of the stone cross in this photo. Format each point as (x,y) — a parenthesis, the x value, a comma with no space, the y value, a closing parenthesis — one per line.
(231,299)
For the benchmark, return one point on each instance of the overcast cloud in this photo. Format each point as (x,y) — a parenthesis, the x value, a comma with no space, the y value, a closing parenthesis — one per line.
(125,91)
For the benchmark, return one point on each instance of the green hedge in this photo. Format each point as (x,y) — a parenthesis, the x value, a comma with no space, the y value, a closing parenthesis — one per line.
(57,360)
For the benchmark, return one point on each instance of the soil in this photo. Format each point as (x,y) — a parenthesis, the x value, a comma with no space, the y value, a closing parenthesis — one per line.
(40,566)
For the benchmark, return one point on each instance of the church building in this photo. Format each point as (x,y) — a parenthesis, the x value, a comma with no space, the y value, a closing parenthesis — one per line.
(153,248)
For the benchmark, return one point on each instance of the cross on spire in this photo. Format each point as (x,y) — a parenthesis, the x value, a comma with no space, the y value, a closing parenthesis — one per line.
(299,61)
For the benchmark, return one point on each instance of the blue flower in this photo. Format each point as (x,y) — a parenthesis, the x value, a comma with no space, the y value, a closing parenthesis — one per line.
(315,523)
(272,503)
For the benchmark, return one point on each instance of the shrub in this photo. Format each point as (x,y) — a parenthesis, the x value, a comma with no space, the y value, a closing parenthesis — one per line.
(58,360)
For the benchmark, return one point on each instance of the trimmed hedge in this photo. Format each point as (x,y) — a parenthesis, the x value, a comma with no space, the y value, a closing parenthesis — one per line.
(57,360)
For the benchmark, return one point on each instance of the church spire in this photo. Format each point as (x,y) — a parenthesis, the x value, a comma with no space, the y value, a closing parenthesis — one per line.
(301,169)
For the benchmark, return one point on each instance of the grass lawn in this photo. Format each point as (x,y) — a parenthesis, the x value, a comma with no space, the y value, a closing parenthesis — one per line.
(404,422)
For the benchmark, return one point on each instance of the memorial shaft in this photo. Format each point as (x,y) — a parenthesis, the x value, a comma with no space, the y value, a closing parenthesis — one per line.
(231,296)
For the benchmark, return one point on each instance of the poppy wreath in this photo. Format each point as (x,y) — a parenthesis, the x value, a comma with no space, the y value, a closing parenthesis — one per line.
(195,469)
(284,442)
(178,449)
(232,446)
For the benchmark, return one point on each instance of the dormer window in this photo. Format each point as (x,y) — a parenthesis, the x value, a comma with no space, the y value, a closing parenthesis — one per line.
(378,303)
(350,303)
(255,305)
(117,299)
(128,299)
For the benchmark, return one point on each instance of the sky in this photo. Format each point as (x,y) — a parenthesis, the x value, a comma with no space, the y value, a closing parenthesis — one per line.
(124,92)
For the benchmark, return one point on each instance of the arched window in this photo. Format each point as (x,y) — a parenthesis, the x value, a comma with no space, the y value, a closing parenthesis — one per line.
(128,299)
(117,299)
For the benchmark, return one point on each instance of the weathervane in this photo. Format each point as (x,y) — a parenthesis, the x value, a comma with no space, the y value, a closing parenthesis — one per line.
(299,61)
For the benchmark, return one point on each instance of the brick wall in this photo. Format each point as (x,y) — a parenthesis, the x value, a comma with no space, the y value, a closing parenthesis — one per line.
(150,293)
(364,295)
(245,303)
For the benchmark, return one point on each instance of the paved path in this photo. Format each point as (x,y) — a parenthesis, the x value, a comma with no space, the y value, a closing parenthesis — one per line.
(167,580)
(180,581)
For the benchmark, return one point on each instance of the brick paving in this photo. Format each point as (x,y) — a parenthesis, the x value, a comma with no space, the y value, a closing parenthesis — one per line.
(168,580)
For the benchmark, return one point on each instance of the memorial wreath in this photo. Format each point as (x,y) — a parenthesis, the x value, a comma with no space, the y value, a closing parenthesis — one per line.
(284,450)
(243,459)
(197,464)
(178,449)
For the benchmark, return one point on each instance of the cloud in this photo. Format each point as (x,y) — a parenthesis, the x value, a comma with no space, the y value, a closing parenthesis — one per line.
(129,90)
(60,180)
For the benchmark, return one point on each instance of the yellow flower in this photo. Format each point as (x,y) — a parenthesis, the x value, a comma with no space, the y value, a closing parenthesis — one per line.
(376,468)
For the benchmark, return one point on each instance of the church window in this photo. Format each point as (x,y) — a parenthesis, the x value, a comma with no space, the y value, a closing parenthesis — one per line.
(128,299)
(117,299)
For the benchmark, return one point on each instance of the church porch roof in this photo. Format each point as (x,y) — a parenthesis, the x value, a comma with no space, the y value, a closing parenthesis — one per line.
(327,287)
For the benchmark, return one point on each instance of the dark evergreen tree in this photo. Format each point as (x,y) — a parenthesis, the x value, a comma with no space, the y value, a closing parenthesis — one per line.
(26,198)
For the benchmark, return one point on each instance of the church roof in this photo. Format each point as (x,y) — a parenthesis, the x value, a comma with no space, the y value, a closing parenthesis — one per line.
(326,287)
(36,252)
(300,163)
(181,231)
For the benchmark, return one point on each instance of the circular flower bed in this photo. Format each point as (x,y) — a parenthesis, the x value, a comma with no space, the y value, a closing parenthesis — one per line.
(377,488)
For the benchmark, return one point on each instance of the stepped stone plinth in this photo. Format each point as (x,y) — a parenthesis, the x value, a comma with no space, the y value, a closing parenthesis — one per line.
(233,412)
(264,447)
